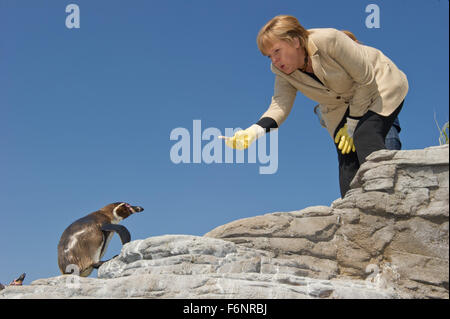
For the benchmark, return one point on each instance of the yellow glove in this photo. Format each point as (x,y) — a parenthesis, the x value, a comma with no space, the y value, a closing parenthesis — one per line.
(345,141)
(345,136)
(244,138)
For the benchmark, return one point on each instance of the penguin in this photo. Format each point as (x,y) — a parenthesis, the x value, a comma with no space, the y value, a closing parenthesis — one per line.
(15,282)
(18,281)
(84,242)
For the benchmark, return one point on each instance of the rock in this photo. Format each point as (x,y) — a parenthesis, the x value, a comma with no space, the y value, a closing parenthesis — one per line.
(181,266)
(394,220)
(388,238)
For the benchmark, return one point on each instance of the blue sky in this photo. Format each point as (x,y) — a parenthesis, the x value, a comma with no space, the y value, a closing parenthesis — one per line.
(86,114)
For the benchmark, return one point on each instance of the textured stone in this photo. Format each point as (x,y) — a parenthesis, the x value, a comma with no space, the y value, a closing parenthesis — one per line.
(396,214)
(181,266)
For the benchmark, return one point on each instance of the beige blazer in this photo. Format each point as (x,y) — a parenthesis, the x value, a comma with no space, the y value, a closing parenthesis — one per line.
(354,75)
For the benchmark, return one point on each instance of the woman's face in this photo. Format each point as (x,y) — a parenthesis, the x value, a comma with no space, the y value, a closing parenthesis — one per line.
(286,56)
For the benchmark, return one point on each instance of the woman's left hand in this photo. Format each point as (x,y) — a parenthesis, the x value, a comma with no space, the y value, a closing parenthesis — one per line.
(345,141)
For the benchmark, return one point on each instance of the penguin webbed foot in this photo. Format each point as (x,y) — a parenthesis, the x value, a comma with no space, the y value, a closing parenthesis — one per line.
(122,231)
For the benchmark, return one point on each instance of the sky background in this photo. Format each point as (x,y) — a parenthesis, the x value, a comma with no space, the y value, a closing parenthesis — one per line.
(86,114)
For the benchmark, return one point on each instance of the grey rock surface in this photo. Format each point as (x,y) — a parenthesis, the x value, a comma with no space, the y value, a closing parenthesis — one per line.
(182,266)
(391,227)
(388,238)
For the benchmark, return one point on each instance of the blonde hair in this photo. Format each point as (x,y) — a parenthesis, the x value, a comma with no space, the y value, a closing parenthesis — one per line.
(282,27)
(350,35)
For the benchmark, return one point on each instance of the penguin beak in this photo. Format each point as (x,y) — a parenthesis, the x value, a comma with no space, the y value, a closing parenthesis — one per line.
(138,209)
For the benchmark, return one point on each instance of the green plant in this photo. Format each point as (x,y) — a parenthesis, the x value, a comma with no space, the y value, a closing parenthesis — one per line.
(443,132)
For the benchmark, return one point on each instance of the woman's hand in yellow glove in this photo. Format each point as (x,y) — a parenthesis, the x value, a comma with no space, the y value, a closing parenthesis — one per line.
(244,138)
(345,141)
(345,136)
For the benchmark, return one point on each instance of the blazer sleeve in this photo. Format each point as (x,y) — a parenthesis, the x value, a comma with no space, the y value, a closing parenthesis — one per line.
(282,100)
(352,57)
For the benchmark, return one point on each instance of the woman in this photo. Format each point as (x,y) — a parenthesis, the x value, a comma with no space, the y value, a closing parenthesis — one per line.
(359,89)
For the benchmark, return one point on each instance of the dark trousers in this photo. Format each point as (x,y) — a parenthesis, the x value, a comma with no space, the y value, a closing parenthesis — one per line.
(369,136)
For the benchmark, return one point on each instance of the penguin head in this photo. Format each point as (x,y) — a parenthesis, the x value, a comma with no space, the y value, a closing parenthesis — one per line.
(122,210)
(18,281)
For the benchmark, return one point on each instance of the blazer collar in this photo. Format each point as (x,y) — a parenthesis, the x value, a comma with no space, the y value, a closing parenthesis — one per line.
(312,48)
(313,52)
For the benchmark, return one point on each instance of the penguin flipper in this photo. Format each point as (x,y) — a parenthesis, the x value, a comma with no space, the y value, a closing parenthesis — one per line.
(122,231)
(98,264)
